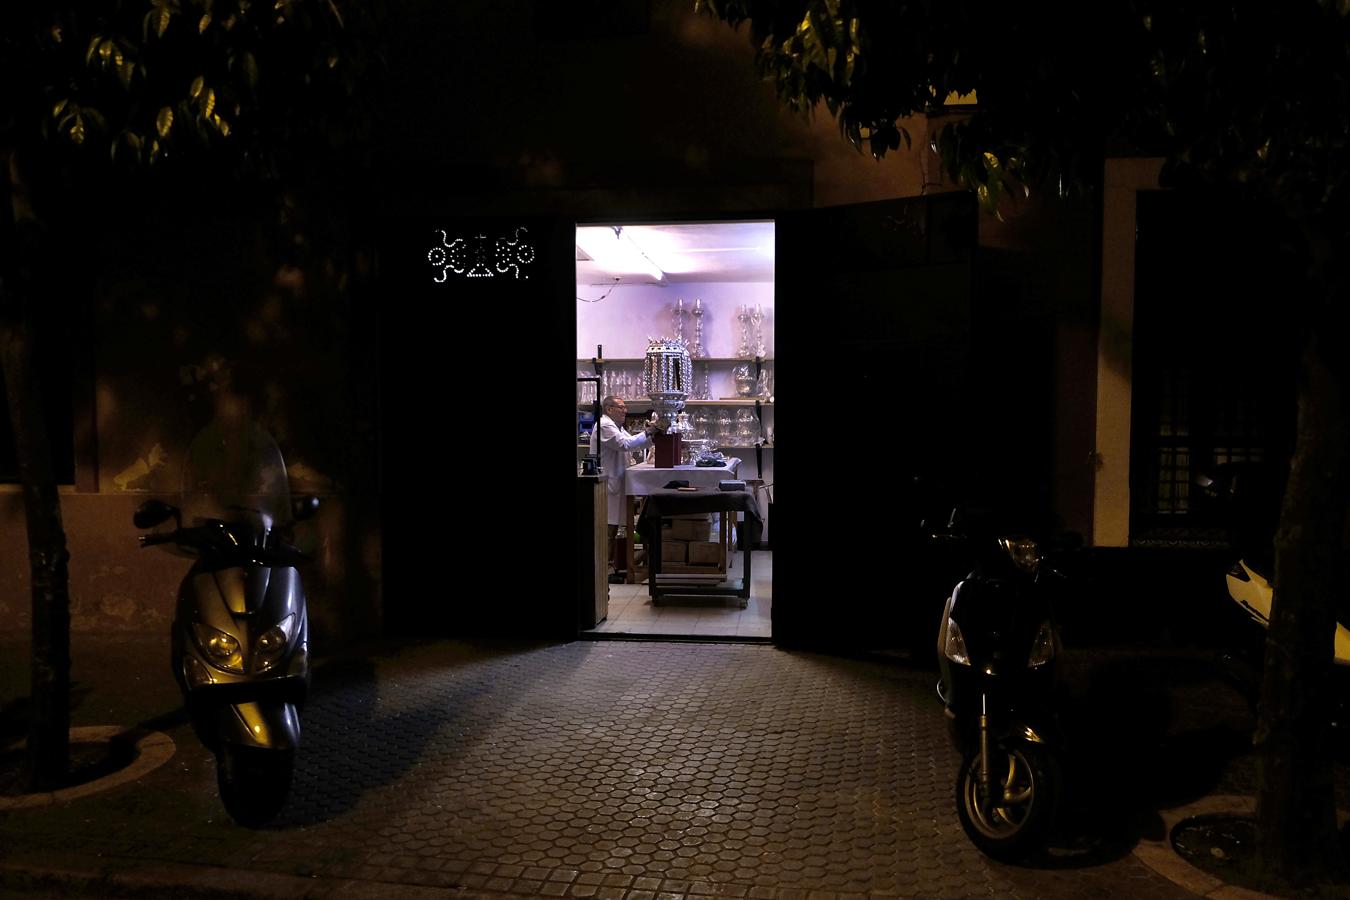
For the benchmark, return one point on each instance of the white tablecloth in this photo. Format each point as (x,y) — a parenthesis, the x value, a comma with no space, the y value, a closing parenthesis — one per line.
(644,478)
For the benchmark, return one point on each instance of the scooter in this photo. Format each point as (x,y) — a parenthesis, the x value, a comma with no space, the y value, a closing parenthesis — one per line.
(997,644)
(240,633)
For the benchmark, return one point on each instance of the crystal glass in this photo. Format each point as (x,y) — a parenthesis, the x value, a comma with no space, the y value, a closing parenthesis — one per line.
(726,426)
(679,319)
(698,351)
(747,428)
(744,379)
(743,316)
(757,320)
(702,422)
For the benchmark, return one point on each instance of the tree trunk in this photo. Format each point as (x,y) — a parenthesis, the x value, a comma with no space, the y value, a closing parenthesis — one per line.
(49,725)
(1295,801)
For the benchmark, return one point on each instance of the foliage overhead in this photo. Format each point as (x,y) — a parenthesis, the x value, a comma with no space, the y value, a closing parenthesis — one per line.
(1242,92)
(254,85)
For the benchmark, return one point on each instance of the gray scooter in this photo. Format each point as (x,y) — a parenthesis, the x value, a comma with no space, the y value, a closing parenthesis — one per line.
(240,633)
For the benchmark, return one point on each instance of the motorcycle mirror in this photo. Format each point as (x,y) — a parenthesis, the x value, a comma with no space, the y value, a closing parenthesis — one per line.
(304,507)
(152,512)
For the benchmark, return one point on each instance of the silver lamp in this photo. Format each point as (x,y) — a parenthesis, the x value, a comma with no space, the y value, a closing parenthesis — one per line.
(668,378)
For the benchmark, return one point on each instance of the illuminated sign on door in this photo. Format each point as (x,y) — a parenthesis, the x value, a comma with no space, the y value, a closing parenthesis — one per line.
(480,256)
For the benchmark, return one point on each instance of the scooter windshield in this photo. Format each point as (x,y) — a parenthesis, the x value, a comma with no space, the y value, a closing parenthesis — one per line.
(235,474)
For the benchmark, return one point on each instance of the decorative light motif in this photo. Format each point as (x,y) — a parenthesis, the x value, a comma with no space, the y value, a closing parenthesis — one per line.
(479,257)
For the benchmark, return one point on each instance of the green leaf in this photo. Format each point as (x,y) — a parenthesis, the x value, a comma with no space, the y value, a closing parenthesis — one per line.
(163,122)
(195,90)
(93,48)
(162,20)
(250,70)
(204,23)
(60,105)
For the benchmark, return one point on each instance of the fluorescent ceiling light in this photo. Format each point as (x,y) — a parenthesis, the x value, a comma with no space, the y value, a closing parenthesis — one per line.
(614,251)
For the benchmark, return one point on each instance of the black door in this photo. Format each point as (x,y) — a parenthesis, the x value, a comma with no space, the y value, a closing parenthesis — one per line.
(477,466)
(872,384)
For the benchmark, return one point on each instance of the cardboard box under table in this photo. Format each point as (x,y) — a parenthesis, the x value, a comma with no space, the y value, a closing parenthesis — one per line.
(642,480)
(673,503)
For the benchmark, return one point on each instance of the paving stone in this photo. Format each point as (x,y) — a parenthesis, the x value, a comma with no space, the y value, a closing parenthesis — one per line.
(605,769)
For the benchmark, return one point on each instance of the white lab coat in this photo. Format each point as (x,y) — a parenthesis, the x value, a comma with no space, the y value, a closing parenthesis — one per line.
(616,447)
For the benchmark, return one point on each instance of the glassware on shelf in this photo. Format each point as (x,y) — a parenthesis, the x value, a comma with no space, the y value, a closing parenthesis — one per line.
(726,426)
(586,389)
(698,351)
(679,319)
(704,391)
(747,428)
(757,320)
(702,424)
(744,379)
(743,316)
(762,384)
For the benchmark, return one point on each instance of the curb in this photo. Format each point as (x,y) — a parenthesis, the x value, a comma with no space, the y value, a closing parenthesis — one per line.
(1162,858)
(173,880)
(153,749)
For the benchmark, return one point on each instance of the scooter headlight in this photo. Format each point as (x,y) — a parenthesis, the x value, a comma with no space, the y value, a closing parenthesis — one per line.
(955,648)
(1023,551)
(221,649)
(272,643)
(1043,647)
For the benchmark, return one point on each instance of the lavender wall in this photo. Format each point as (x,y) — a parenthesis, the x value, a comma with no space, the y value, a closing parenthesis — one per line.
(630,314)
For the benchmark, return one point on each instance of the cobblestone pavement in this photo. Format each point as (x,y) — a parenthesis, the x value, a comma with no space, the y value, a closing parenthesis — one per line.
(612,770)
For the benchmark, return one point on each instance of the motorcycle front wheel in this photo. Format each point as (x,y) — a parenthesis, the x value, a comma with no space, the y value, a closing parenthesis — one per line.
(253,782)
(1012,818)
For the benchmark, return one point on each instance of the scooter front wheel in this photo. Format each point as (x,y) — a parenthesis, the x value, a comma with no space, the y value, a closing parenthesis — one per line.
(1011,818)
(254,782)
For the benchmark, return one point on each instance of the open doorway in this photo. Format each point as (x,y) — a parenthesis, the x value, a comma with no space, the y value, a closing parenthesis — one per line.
(709,287)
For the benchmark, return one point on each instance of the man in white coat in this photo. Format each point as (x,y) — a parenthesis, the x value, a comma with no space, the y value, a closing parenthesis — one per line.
(615,450)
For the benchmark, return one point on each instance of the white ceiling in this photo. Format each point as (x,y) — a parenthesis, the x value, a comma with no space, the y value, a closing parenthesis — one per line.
(675,254)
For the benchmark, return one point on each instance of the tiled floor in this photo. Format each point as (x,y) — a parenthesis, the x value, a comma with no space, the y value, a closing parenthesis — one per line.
(610,771)
(631,610)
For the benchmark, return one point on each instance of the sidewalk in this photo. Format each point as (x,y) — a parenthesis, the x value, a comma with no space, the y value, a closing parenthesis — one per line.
(615,770)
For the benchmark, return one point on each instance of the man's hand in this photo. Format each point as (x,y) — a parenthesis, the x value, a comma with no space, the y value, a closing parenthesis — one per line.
(659,425)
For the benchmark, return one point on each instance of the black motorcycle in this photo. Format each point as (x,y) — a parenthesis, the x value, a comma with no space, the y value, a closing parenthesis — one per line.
(997,644)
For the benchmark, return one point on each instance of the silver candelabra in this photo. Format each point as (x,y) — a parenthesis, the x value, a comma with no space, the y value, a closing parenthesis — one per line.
(757,319)
(697,350)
